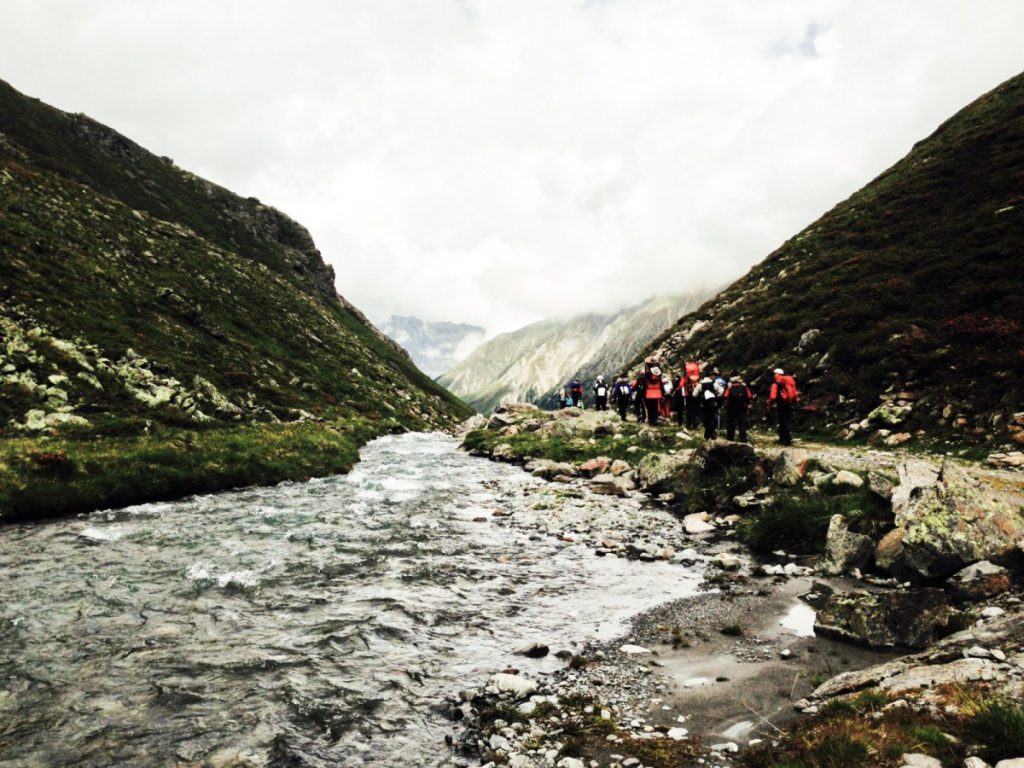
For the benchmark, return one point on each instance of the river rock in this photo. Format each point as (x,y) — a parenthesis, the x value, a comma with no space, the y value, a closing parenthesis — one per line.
(975,762)
(518,686)
(594,467)
(884,620)
(533,651)
(845,550)
(920,760)
(1013,762)
(717,456)
(945,520)
(498,421)
(657,472)
(846,479)
(619,467)
(790,467)
(978,581)
(503,452)
(549,470)
(880,486)
(611,485)
(1006,459)
(698,522)
(726,561)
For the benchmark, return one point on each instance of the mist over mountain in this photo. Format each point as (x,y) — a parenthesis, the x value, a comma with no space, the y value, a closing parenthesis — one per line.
(434,347)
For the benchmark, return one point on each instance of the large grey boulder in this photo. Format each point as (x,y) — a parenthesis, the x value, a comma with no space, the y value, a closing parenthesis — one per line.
(790,467)
(657,472)
(845,550)
(549,470)
(946,520)
(884,619)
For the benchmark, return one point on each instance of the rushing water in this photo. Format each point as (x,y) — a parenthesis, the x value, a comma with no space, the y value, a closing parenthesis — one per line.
(315,623)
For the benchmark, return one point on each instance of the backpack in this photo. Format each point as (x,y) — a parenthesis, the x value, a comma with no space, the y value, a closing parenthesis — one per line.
(576,388)
(739,395)
(601,391)
(787,389)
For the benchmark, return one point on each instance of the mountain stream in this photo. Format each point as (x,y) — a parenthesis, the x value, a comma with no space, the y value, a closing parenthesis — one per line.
(307,624)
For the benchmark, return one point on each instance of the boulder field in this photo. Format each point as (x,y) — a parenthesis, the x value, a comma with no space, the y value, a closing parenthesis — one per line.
(907,553)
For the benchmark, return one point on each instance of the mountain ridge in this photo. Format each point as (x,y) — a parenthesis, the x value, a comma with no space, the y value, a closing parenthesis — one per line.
(890,305)
(143,304)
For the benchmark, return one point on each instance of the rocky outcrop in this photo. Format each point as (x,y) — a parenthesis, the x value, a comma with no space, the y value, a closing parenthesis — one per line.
(884,619)
(845,550)
(945,520)
(988,651)
(979,581)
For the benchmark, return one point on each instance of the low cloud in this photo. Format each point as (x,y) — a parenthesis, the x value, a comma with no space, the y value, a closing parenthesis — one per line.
(495,162)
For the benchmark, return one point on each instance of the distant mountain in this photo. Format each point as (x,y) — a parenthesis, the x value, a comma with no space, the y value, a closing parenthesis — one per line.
(531,363)
(902,309)
(434,347)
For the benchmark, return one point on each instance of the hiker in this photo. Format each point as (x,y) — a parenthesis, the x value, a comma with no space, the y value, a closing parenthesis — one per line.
(638,396)
(600,394)
(737,402)
(679,400)
(576,392)
(564,401)
(652,391)
(622,392)
(784,396)
(709,407)
(720,386)
(666,400)
(692,395)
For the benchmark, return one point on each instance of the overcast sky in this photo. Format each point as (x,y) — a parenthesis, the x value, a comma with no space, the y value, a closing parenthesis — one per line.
(499,162)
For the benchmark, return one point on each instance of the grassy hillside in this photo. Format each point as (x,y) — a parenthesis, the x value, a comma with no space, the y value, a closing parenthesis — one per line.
(141,303)
(907,295)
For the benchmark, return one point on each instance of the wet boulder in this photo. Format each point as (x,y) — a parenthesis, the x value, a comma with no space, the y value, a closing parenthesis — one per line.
(845,550)
(610,485)
(499,421)
(503,452)
(716,456)
(978,581)
(884,619)
(945,521)
(549,470)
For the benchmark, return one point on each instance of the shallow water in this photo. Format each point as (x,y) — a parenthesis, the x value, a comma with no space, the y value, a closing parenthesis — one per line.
(312,624)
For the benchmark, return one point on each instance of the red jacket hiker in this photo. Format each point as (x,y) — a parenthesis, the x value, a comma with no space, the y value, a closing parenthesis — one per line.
(785,395)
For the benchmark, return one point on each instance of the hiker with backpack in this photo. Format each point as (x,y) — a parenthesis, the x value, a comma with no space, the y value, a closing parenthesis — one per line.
(564,401)
(783,396)
(679,401)
(652,391)
(737,403)
(576,392)
(600,394)
(638,397)
(622,392)
(709,407)
(692,386)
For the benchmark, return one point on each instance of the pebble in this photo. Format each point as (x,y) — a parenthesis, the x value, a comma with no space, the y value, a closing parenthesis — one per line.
(992,612)
(918,760)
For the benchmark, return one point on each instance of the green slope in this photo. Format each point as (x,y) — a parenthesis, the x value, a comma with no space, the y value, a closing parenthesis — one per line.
(914,283)
(140,303)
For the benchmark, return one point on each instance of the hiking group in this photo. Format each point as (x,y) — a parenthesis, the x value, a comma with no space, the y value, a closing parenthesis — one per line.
(690,399)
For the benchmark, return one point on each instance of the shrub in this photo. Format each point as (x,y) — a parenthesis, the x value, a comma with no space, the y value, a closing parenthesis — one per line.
(998,728)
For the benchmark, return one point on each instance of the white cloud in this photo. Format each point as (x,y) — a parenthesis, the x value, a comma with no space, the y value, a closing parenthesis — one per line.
(496,162)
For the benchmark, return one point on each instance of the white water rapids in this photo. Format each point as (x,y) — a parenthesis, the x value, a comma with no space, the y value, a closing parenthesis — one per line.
(308,624)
